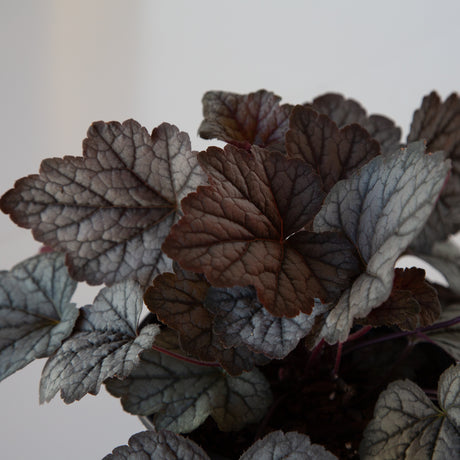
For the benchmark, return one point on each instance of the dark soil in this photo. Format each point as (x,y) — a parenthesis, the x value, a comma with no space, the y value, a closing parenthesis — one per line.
(332,410)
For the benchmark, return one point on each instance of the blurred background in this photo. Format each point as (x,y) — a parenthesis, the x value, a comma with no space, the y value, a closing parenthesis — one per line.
(65,64)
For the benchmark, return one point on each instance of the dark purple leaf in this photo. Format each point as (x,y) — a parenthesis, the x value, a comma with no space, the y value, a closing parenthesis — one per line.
(334,153)
(111,209)
(245,120)
(412,303)
(438,123)
(236,230)
(177,300)
(347,111)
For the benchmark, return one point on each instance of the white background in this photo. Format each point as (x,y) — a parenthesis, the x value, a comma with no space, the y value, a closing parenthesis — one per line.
(65,64)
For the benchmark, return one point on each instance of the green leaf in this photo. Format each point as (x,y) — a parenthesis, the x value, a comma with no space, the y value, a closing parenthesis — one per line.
(407,424)
(180,395)
(110,209)
(163,445)
(35,313)
(286,446)
(105,344)
(380,209)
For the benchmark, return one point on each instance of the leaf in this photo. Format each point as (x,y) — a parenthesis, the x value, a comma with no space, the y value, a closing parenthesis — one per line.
(333,153)
(238,231)
(407,424)
(412,303)
(380,209)
(448,338)
(241,319)
(35,310)
(245,120)
(286,446)
(104,344)
(347,111)
(111,209)
(177,300)
(439,124)
(445,257)
(163,445)
(181,395)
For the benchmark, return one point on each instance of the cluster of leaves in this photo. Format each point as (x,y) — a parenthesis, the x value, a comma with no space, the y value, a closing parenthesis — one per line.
(287,237)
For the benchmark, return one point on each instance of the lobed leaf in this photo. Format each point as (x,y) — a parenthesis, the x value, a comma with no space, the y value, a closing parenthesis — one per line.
(35,310)
(241,319)
(381,209)
(180,395)
(412,303)
(439,124)
(163,445)
(111,209)
(245,120)
(332,152)
(407,424)
(347,111)
(177,300)
(105,344)
(239,231)
(286,446)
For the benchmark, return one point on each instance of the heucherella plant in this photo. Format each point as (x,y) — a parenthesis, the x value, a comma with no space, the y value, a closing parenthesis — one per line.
(279,323)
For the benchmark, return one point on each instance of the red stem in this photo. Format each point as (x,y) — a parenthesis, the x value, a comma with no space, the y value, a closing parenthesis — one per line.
(338,358)
(185,358)
(397,335)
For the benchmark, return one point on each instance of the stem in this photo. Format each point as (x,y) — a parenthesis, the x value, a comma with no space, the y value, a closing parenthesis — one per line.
(314,356)
(338,357)
(356,335)
(185,358)
(397,335)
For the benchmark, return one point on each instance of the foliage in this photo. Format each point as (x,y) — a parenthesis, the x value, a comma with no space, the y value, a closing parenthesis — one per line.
(268,268)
